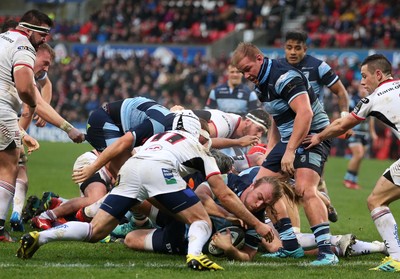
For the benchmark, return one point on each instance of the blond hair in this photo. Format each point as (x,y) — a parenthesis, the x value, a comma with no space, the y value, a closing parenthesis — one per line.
(245,50)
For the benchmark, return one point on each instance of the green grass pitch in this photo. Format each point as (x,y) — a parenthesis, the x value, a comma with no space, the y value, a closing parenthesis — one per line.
(50,168)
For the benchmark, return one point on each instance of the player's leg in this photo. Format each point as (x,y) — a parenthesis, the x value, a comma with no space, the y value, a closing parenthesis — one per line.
(107,218)
(351,177)
(281,219)
(21,188)
(138,220)
(387,190)
(316,212)
(188,208)
(9,154)
(94,190)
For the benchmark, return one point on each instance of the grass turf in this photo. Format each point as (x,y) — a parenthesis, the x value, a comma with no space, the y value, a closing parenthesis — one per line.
(50,170)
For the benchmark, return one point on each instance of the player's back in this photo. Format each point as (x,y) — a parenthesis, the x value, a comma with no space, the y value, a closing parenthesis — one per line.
(181,149)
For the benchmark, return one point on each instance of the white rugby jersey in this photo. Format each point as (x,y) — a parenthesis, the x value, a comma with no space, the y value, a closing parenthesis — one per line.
(16,50)
(225,123)
(182,150)
(383,104)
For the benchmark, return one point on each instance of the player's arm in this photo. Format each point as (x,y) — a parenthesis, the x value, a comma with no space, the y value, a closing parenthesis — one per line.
(23,79)
(46,89)
(115,149)
(205,195)
(224,242)
(302,122)
(234,205)
(46,92)
(336,128)
(343,97)
(48,114)
(242,142)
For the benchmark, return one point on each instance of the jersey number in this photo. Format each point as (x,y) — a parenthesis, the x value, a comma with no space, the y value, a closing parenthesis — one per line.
(172,137)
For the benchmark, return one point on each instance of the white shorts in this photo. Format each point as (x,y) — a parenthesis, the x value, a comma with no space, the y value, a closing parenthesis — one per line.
(142,179)
(9,129)
(395,172)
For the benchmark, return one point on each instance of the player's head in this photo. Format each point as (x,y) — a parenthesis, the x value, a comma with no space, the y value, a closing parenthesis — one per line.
(256,123)
(234,76)
(44,57)
(188,121)
(375,69)
(295,46)
(8,25)
(224,162)
(248,59)
(265,192)
(37,24)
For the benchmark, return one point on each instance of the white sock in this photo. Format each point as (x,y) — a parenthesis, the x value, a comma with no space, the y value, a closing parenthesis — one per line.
(6,196)
(306,240)
(387,228)
(92,209)
(199,233)
(365,248)
(21,187)
(79,231)
(153,214)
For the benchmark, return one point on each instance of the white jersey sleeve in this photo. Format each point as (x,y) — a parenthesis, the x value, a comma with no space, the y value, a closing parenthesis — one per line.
(383,104)
(225,123)
(16,50)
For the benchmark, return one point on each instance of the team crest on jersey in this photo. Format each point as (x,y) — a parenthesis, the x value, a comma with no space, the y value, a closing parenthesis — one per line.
(26,48)
(169,176)
(365,100)
(240,95)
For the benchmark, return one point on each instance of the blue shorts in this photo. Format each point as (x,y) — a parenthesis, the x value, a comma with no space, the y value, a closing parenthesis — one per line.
(175,202)
(101,131)
(170,239)
(358,139)
(313,158)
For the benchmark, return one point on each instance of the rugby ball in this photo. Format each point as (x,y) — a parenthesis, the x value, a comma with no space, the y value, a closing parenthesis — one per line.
(238,238)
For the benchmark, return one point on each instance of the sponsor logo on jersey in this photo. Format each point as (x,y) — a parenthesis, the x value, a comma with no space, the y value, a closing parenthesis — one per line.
(7,39)
(169,176)
(27,48)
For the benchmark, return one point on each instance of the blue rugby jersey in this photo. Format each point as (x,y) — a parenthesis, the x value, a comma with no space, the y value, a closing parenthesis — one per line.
(318,73)
(279,84)
(240,100)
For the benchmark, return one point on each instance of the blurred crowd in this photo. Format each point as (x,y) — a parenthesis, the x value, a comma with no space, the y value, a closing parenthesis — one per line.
(330,23)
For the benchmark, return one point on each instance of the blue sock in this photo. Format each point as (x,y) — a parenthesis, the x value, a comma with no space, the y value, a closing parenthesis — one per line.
(323,237)
(287,235)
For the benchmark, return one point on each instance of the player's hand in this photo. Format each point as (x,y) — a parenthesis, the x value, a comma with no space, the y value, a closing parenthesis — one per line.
(248,140)
(31,143)
(287,165)
(80,175)
(76,136)
(311,141)
(236,221)
(265,231)
(222,241)
(39,121)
